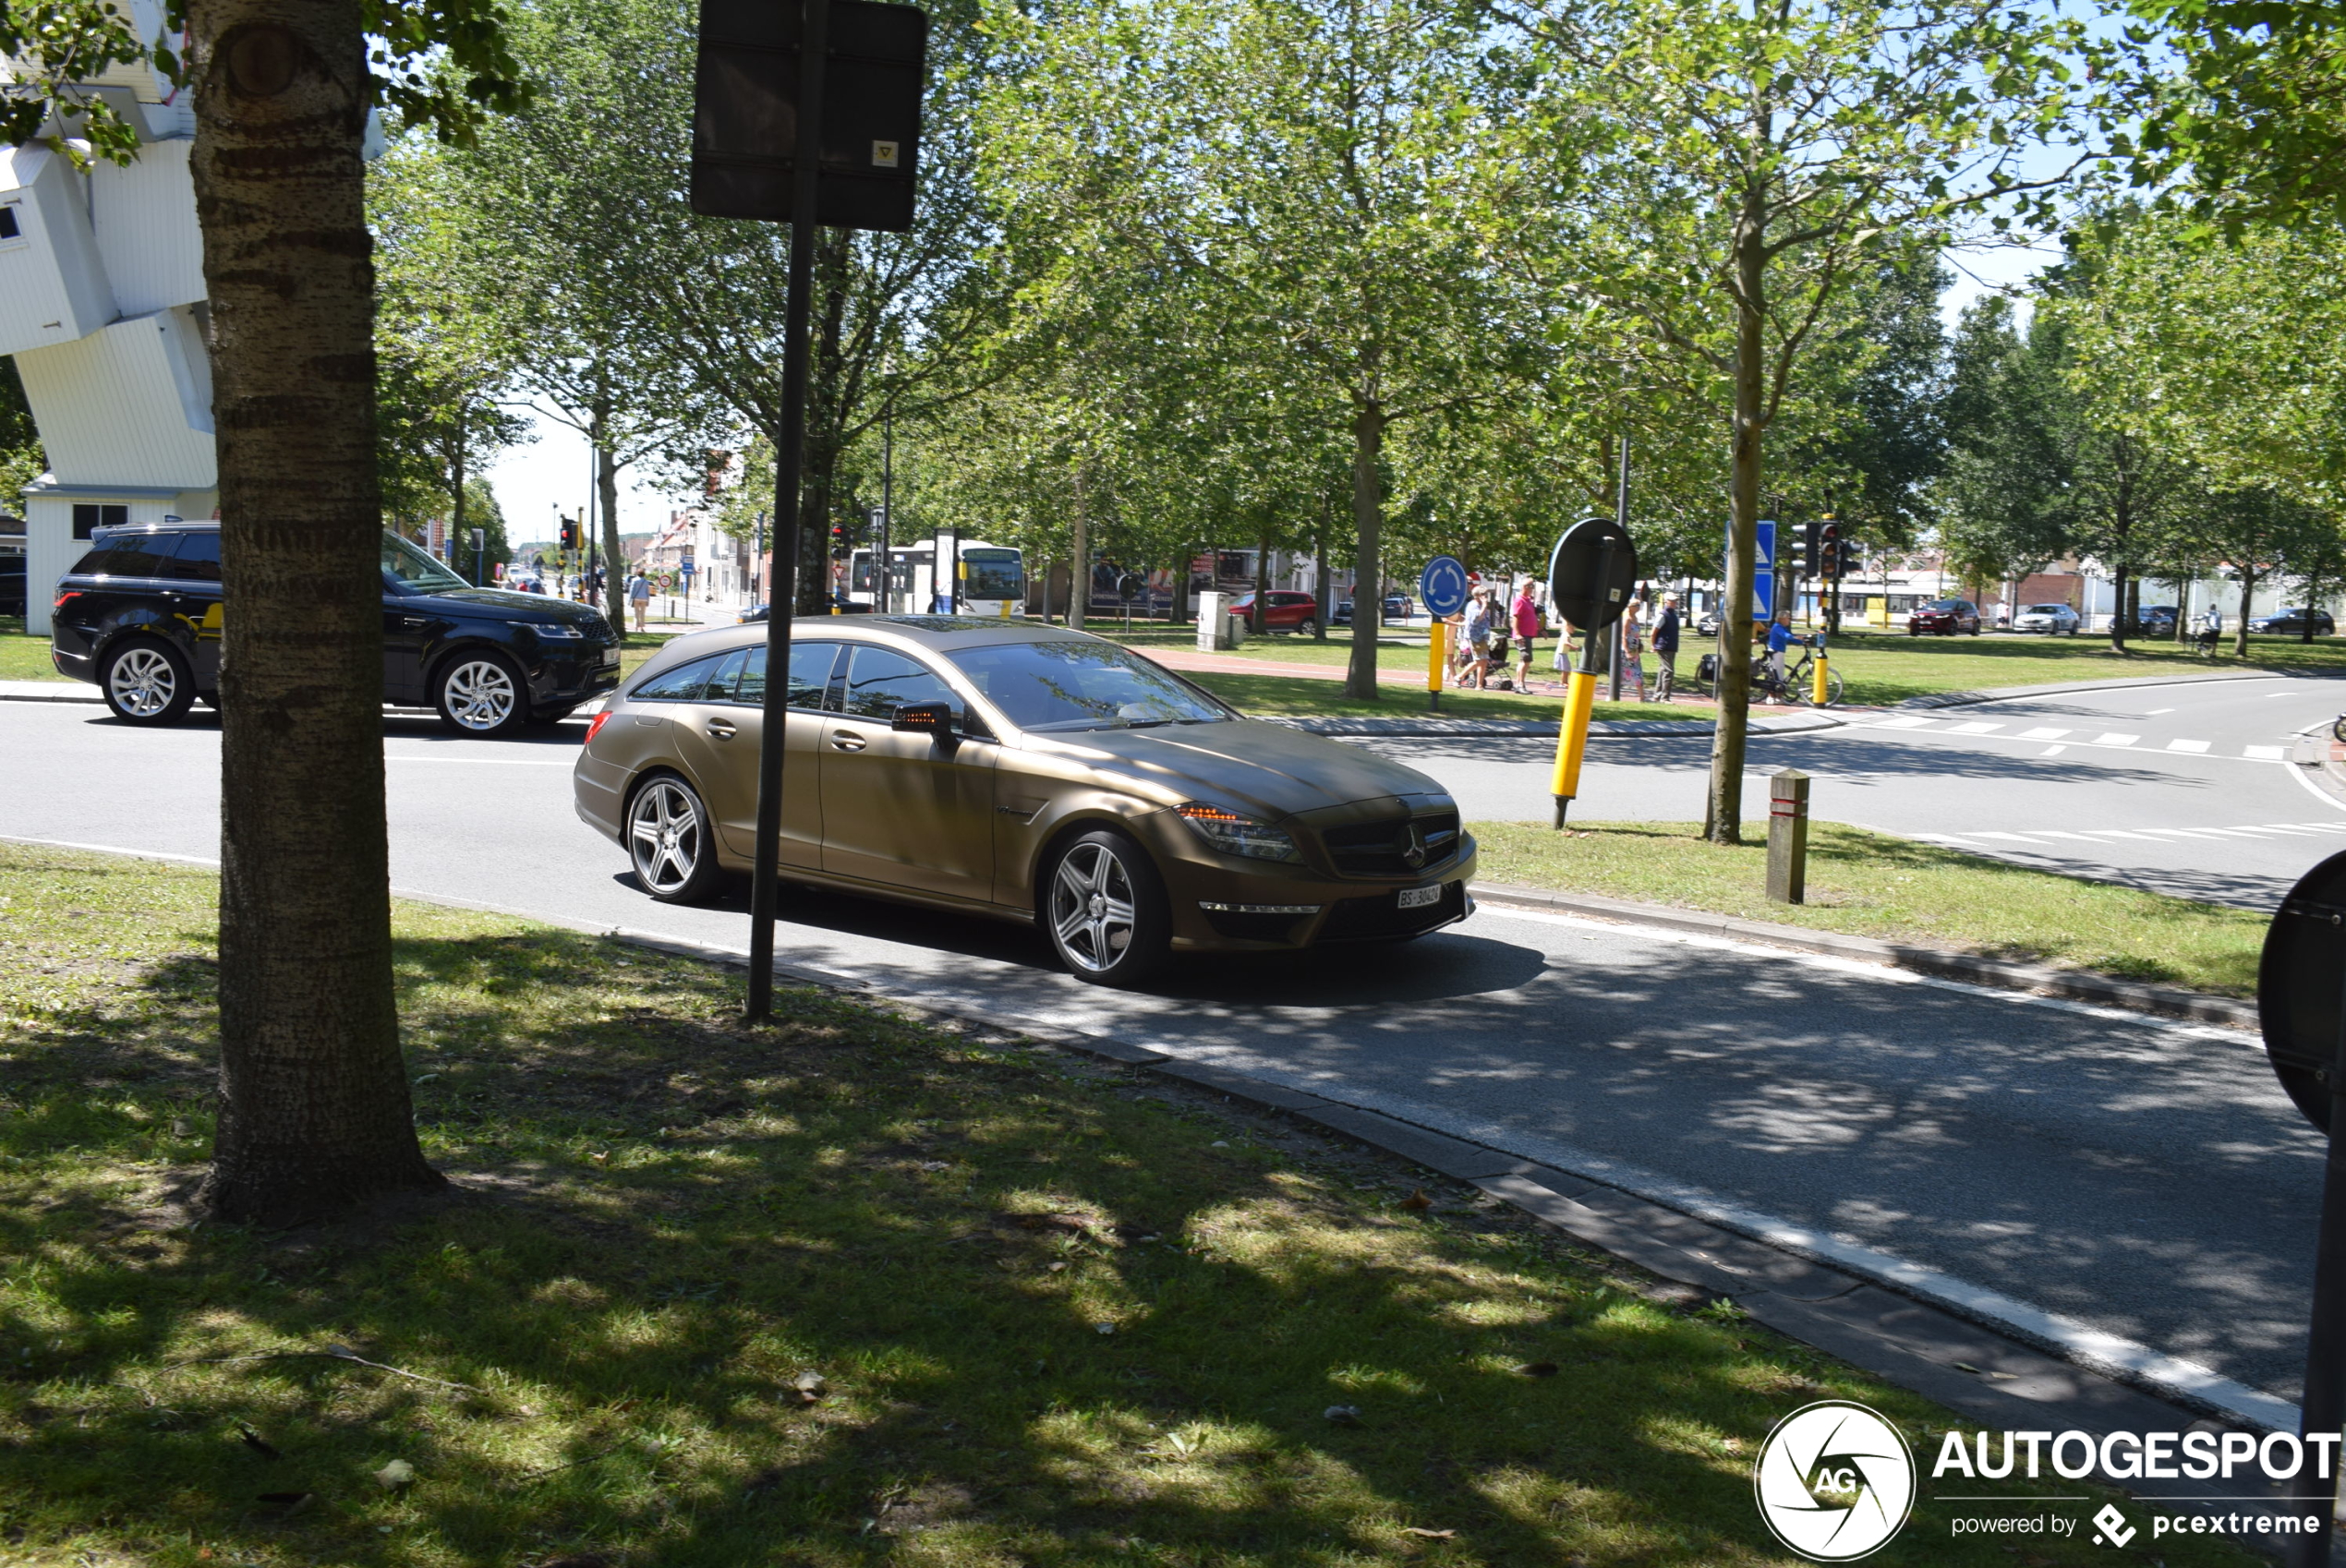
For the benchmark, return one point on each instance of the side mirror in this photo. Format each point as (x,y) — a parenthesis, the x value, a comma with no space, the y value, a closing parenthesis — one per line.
(933,719)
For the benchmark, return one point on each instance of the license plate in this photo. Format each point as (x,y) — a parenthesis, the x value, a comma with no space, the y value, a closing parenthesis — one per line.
(1419,898)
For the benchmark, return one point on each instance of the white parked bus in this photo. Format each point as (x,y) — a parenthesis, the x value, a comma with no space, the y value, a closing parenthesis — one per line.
(992,579)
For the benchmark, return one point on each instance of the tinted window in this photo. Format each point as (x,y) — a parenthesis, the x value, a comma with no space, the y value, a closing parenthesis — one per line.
(995,573)
(1947,604)
(683,684)
(198,557)
(810,671)
(881,681)
(135,555)
(1083,685)
(416,571)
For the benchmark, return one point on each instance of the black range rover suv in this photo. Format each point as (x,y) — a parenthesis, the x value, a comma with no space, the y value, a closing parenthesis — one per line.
(139,615)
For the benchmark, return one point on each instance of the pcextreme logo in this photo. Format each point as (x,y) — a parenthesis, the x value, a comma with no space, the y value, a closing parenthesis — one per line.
(1835,1482)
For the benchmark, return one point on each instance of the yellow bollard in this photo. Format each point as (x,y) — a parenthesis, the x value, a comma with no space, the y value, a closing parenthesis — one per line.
(1437,664)
(1572,737)
(1818,690)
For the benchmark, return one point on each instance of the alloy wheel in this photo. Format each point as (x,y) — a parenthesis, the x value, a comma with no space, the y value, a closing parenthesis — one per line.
(1092,907)
(480,694)
(663,837)
(142,683)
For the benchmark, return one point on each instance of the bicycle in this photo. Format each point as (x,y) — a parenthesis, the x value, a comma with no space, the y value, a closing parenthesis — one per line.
(1798,687)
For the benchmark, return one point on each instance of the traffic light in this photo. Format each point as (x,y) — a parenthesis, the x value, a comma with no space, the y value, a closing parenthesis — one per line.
(1847,565)
(839,541)
(570,535)
(1828,547)
(1792,555)
(1812,538)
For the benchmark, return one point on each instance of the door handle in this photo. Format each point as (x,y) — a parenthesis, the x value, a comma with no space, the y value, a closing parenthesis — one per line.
(847,741)
(719,729)
(413,621)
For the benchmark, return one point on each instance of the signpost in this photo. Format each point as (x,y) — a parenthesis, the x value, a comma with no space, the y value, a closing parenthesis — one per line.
(1590,573)
(2301,1007)
(1443,588)
(854,71)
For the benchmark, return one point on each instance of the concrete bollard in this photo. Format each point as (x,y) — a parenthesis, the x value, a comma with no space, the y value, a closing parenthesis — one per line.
(1788,837)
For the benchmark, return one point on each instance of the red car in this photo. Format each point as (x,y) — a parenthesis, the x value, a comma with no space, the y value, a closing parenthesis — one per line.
(1289,611)
(1943,618)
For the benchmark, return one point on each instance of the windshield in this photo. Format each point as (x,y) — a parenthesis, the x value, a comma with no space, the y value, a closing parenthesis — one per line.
(1084,685)
(995,574)
(1944,604)
(416,573)
(2045,610)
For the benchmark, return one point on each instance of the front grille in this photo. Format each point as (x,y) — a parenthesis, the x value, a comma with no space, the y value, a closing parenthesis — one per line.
(1383,916)
(1382,848)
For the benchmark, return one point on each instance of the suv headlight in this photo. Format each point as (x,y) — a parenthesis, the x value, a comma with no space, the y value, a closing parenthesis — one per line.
(1236,835)
(550,629)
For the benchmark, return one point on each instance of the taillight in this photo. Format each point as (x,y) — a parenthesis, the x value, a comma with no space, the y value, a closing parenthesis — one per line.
(595,725)
(62,600)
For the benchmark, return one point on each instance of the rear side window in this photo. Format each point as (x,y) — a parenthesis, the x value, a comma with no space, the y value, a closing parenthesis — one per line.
(683,684)
(810,671)
(135,555)
(197,559)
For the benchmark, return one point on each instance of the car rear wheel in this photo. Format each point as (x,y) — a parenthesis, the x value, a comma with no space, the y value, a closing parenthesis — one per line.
(146,681)
(481,694)
(1104,906)
(1307,627)
(669,841)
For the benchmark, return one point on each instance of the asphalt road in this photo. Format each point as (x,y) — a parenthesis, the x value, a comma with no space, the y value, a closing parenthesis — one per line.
(2142,1179)
(2182,788)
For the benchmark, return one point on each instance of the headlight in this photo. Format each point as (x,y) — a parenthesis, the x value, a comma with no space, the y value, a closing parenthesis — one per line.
(1236,835)
(550,629)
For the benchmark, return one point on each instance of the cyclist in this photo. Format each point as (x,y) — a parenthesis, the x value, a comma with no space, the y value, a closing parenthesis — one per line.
(1779,637)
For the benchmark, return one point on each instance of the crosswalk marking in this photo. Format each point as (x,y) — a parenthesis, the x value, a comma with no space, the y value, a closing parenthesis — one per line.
(1904,721)
(2186,745)
(2035,835)
(2115,740)
(2042,734)
(1976,727)
(2269,753)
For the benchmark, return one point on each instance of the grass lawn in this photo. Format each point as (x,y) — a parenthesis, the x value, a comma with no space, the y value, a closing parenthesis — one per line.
(851,1290)
(1874,885)
(24,658)
(1300,697)
(1882,669)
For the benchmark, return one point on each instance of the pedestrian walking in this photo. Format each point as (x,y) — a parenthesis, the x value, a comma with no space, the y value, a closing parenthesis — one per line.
(1665,649)
(1526,613)
(1633,649)
(639,597)
(1478,636)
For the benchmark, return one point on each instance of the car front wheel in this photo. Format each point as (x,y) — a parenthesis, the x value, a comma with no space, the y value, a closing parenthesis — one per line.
(147,681)
(1104,906)
(1307,628)
(669,842)
(482,693)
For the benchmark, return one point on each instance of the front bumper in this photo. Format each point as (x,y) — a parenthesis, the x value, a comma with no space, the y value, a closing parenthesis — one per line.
(1222,903)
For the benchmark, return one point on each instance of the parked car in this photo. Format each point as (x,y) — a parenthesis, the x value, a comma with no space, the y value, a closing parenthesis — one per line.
(2292,622)
(140,616)
(1397,607)
(1943,618)
(2053,620)
(1028,772)
(1286,611)
(2155,620)
(12,583)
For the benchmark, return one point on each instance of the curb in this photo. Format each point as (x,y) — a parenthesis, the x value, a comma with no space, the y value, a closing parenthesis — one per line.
(1985,1373)
(2014,694)
(2076,985)
(30,692)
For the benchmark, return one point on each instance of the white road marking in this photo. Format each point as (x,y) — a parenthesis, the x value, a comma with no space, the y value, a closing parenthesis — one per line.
(2154,713)
(1976,727)
(2115,740)
(2186,745)
(1904,722)
(2042,734)
(492,762)
(2054,750)
(2266,753)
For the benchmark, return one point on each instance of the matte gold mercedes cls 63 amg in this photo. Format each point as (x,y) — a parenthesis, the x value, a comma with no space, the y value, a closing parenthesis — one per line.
(1027,772)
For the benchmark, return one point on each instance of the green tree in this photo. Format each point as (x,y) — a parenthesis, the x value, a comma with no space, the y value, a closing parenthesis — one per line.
(1713,175)
(20,459)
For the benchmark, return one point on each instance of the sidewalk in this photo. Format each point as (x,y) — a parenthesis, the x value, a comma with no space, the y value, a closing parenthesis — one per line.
(1237,664)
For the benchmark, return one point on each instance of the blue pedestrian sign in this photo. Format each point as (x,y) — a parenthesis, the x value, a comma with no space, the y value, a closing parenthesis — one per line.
(1763,573)
(1443,587)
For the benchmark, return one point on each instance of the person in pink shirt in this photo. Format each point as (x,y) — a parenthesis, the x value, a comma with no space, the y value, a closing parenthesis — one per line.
(1526,615)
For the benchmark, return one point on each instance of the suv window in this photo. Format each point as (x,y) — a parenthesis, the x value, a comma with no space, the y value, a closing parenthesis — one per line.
(130,555)
(881,681)
(197,559)
(810,671)
(683,684)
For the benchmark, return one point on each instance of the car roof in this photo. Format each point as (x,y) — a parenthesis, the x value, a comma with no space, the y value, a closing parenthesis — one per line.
(942,633)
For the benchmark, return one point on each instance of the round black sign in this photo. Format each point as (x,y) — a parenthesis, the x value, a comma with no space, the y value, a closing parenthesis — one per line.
(1592,572)
(1129,586)
(2300,984)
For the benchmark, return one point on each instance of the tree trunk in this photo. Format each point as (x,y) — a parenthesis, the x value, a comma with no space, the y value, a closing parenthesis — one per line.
(1263,584)
(1079,568)
(614,568)
(2239,622)
(1368,571)
(2183,610)
(463,539)
(314,1110)
(1722,813)
(1323,598)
